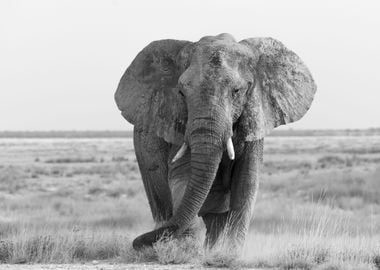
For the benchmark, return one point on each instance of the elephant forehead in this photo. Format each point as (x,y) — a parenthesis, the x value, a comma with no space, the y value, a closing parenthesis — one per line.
(218,57)
(216,63)
(210,75)
(222,50)
(215,58)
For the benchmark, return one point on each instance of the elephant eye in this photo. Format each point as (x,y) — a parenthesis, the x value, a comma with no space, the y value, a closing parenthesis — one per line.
(235,91)
(181,93)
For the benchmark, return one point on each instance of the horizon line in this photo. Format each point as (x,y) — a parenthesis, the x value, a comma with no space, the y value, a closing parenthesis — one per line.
(131,130)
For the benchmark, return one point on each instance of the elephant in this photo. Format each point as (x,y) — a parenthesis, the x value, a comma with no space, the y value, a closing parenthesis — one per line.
(200,112)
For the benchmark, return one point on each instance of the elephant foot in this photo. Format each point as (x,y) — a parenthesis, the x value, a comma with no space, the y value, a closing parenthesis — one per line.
(215,228)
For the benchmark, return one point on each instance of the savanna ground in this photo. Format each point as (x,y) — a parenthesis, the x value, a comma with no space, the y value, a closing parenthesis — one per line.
(82,200)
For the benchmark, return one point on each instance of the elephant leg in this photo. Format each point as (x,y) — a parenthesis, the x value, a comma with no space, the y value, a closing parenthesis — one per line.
(245,181)
(152,155)
(215,227)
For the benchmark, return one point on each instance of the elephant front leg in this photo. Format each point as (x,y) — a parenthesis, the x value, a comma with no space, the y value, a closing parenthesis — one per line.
(152,155)
(245,181)
(215,227)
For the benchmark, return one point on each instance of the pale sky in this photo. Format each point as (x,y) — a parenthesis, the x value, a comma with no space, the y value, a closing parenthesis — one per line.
(61,61)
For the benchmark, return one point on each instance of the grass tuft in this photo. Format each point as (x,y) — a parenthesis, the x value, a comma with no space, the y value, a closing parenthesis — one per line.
(129,255)
(182,250)
(376,261)
(6,249)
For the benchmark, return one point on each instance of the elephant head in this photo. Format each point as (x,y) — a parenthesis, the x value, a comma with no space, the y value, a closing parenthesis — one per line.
(198,94)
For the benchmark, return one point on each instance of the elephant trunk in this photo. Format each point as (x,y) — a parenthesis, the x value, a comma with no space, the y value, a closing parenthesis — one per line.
(206,153)
(207,140)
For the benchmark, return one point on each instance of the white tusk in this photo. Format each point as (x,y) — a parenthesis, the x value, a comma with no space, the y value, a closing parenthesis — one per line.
(230,149)
(180,152)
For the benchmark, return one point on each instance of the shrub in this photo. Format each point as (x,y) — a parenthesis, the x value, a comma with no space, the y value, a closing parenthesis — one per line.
(71,160)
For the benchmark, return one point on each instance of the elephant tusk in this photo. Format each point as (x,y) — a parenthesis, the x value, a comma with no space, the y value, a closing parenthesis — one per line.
(180,152)
(230,149)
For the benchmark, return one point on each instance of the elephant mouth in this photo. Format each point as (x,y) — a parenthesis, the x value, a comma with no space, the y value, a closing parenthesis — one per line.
(184,147)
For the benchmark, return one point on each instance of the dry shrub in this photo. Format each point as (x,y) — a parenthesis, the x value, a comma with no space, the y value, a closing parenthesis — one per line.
(71,160)
(129,255)
(167,250)
(181,250)
(12,179)
(6,249)
(220,256)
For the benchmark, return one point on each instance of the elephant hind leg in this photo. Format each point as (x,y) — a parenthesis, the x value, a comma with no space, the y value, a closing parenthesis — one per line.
(215,227)
(152,155)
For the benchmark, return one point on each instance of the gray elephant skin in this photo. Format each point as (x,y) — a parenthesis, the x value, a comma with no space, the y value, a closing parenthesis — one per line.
(200,112)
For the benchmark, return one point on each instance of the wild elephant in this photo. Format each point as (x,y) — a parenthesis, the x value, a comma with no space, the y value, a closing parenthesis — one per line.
(200,111)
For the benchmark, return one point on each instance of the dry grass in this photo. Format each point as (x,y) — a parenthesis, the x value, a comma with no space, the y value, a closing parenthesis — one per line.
(79,200)
(178,251)
(321,238)
(61,246)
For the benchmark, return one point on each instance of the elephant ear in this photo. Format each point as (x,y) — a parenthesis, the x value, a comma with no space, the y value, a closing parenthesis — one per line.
(284,88)
(147,93)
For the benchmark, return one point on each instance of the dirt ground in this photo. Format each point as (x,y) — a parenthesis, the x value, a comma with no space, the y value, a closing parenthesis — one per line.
(104,267)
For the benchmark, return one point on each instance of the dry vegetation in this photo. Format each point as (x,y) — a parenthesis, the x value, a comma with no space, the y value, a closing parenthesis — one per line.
(74,200)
